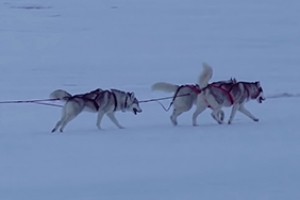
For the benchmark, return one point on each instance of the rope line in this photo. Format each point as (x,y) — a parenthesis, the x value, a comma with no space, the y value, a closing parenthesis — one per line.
(48,104)
(27,101)
(163,98)
(157,100)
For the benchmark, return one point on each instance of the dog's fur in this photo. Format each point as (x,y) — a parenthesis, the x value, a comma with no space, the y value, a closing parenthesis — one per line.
(97,101)
(185,96)
(217,96)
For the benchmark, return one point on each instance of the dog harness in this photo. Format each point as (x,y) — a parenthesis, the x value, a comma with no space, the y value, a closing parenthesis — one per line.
(195,88)
(115,100)
(87,99)
(230,97)
(248,93)
(113,95)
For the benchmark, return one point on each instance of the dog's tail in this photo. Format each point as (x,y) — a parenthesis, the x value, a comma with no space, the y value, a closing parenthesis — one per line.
(205,75)
(166,87)
(60,94)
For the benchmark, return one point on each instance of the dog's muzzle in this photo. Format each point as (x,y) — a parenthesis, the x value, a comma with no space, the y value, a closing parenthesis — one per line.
(136,111)
(261,99)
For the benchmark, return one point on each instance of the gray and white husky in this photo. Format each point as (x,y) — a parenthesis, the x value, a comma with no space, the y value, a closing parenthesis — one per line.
(97,101)
(185,96)
(226,95)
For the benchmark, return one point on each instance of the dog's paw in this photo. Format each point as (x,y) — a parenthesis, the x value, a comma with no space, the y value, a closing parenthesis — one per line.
(222,118)
(220,122)
(256,120)
(174,122)
(121,127)
(53,130)
(195,124)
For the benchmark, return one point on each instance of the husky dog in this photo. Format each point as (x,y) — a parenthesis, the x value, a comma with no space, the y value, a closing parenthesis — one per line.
(217,96)
(97,101)
(185,96)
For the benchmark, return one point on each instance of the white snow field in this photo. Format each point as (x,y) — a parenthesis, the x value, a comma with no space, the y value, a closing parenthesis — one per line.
(82,45)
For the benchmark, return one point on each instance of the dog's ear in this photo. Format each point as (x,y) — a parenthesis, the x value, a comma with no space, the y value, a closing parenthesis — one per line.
(257,83)
(132,95)
(232,80)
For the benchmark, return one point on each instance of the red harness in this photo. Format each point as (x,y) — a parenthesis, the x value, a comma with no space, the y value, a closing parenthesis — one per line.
(230,97)
(194,88)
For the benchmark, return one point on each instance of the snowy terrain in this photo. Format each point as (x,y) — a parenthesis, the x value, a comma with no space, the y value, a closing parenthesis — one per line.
(81,45)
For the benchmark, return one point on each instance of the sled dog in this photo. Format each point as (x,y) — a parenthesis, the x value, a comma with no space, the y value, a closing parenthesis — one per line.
(97,101)
(185,96)
(226,95)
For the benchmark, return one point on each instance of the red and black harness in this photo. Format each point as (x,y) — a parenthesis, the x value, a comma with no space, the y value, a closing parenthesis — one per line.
(197,90)
(226,91)
(98,93)
(194,87)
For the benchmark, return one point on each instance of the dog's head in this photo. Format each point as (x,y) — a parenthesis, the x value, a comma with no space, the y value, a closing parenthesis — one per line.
(132,104)
(259,96)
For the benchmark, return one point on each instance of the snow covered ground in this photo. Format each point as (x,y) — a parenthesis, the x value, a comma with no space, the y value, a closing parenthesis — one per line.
(81,45)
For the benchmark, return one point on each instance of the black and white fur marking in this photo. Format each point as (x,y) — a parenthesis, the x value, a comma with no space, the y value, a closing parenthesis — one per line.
(185,96)
(97,101)
(235,95)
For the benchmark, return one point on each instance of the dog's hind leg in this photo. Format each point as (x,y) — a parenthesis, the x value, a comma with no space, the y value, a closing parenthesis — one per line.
(71,110)
(175,114)
(112,117)
(243,110)
(60,122)
(235,108)
(216,108)
(67,120)
(202,104)
(200,108)
(221,115)
(215,114)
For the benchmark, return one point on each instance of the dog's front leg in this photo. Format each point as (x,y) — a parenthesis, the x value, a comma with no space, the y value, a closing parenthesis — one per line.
(235,107)
(112,117)
(99,119)
(243,110)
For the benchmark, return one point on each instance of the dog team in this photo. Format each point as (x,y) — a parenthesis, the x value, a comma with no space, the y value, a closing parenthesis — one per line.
(203,94)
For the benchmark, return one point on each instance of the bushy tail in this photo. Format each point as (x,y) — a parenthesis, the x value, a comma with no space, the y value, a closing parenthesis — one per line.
(166,87)
(60,94)
(205,75)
